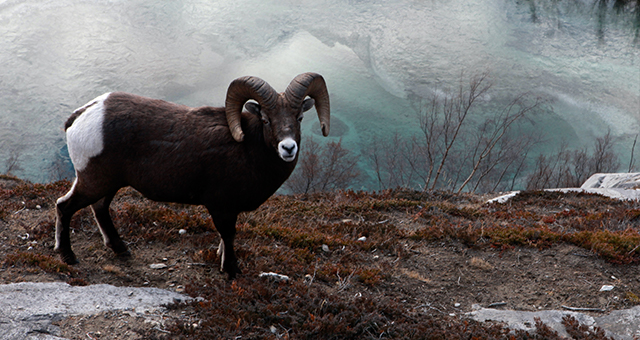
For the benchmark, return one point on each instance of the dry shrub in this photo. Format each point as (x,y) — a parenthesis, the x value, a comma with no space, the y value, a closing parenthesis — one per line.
(35,260)
(286,235)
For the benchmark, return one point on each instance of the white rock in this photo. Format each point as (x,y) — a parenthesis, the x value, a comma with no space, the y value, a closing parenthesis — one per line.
(275,276)
(182,231)
(613,181)
(325,248)
(158,266)
(606,288)
(362,239)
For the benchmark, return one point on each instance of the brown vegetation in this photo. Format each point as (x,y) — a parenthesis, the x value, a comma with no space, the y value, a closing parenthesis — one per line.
(362,265)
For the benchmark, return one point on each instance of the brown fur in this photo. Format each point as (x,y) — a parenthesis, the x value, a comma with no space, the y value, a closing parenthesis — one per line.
(175,153)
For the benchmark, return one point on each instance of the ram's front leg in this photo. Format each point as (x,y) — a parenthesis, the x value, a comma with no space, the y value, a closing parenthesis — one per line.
(226,226)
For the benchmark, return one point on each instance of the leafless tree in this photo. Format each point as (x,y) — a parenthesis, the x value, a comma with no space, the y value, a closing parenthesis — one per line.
(504,164)
(441,122)
(306,174)
(340,170)
(393,161)
(323,168)
(492,147)
(604,157)
(570,168)
(460,149)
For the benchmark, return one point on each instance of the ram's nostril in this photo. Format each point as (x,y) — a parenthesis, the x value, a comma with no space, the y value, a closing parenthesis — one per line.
(288,148)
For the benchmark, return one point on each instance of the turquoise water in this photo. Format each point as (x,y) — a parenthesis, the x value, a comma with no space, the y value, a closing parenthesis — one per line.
(376,55)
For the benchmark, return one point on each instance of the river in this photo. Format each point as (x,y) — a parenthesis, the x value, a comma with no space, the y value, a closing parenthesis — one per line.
(376,56)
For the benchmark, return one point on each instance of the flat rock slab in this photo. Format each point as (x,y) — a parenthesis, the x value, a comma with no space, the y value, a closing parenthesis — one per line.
(628,181)
(622,186)
(27,309)
(620,324)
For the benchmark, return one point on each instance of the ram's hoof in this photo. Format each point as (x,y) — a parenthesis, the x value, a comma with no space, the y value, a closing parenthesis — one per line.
(69,258)
(232,272)
(124,254)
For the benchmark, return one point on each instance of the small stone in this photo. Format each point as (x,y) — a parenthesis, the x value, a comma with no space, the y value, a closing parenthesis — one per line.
(456,305)
(325,248)
(362,239)
(158,266)
(606,288)
(182,231)
(38,207)
(275,277)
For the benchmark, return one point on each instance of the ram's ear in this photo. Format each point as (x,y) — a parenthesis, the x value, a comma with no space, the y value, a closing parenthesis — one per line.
(253,108)
(308,104)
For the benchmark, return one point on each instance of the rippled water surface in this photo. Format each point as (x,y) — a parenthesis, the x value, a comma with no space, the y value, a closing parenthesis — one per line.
(376,55)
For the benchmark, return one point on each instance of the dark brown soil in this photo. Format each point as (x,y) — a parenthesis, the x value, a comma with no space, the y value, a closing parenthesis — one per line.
(426,261)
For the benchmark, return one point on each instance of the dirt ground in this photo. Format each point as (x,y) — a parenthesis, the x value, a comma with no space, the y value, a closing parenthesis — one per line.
(427,277)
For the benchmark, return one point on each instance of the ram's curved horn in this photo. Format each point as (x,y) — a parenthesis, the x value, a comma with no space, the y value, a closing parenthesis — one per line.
(314,86)
(239,92)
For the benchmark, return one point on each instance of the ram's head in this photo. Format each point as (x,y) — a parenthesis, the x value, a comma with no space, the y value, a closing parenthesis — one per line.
(280,113)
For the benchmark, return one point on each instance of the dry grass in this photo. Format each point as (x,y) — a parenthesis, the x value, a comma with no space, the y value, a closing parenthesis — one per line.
(480,264)
(287,235)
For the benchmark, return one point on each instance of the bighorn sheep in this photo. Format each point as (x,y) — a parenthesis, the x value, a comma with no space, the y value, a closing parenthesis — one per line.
(228,160)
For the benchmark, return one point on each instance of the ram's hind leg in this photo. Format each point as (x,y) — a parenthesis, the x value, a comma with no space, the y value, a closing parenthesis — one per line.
(107,229)
(66,206)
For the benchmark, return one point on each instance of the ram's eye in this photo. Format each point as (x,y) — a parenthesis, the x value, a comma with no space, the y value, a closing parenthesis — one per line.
(265,120)
(300,118)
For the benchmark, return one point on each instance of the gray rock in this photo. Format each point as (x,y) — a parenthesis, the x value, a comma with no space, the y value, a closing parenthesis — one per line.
(27,309)
(620,324)
(622,186)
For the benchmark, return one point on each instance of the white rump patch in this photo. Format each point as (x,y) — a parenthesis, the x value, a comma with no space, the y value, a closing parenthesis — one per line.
(84,137)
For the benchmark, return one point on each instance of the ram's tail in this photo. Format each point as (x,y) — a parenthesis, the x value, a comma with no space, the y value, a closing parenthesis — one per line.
(73,117)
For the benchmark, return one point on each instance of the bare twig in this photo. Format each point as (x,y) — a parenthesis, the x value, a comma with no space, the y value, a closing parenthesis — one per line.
(428,305)
(344,284)
(161,330)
